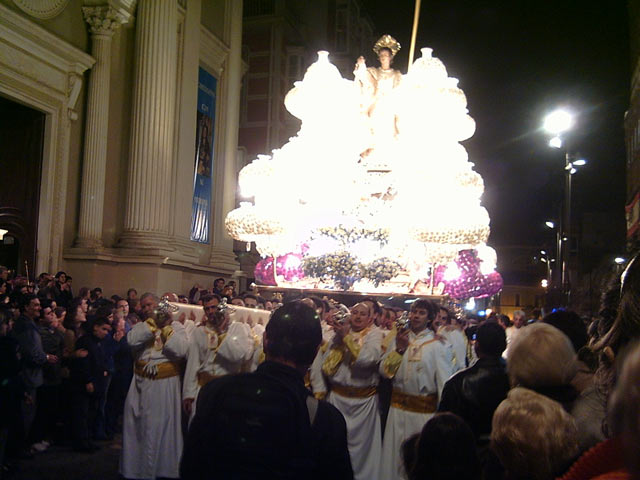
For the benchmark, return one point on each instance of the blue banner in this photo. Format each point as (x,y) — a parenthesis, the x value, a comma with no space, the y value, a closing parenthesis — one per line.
(201,207)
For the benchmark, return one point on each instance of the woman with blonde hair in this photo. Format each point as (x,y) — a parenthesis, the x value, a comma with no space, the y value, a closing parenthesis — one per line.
(533,436)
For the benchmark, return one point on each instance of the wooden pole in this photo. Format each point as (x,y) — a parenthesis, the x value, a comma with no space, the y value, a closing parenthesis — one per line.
(433,273)
(414,33)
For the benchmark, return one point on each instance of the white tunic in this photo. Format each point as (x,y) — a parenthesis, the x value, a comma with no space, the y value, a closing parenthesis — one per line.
(361,414)
(152,432)
(317,380)
(215,355)
(425,367)
(459,343)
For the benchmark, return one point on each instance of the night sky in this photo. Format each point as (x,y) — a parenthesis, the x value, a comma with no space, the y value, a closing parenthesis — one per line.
(517,61)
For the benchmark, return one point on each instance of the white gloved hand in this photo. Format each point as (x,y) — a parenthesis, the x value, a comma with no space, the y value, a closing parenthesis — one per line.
(151,369)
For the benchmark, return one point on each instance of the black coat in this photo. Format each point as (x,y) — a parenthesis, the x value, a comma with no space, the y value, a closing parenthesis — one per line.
(33,357)
(92,368)
(257,425)
(474,394)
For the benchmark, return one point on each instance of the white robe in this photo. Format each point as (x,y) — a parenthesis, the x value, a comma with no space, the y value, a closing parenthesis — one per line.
(152,431)
(361,414)
(316,377)
(423,371)
(207,354)
(459,343)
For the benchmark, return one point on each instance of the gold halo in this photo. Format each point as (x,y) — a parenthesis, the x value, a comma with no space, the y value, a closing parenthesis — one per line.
(387,41)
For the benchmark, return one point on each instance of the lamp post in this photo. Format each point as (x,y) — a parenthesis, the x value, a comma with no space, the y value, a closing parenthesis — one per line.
(556,279)
(557,123)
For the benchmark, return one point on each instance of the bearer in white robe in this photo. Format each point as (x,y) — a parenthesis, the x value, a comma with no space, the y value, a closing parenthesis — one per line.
(217,348)
(419,363)
(452,331)
(351,366)
(152,432)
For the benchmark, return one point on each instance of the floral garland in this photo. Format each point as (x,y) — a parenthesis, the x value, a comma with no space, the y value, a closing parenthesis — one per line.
(344,270)
(353,234)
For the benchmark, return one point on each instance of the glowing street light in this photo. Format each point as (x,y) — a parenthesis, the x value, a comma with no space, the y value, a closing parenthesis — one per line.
(558,121)
(579,162)
(550,224)
(544,283)
(619,260)
(555,142)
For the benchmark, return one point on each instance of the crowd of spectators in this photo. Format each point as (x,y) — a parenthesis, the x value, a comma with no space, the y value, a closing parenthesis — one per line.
(528,399)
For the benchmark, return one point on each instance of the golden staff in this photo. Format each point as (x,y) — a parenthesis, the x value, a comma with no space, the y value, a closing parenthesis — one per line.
(26,268)
(416,17)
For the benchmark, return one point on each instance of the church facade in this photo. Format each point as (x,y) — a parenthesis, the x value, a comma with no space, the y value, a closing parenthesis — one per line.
(120,121)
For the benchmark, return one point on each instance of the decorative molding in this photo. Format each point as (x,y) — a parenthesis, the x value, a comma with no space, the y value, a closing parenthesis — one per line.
(103,20)
(42,71)
(124,9)
(213,52)
(43,9)
(29,50)
(115,256)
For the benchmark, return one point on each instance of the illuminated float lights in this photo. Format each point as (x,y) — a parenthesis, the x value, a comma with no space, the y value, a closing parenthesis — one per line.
(340,209)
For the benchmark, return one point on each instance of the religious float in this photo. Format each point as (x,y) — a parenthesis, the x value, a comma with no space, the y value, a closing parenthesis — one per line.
(375,193)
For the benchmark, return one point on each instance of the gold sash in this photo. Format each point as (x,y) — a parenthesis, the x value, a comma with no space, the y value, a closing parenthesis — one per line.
(354,392)
(414,403)
(164,369)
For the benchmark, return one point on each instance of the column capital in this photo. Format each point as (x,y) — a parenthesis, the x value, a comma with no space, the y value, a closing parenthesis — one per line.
(103,19)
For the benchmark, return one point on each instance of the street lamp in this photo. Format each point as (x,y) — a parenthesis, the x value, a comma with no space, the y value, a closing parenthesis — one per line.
(557,123)
(544,258)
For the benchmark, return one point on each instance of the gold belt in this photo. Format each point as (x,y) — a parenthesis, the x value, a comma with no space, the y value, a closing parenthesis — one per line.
(205,377)
(354,392)
(164,370)
(414,403)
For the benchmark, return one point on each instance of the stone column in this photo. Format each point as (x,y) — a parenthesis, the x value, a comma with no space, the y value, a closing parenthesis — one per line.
(103,22)
(146,222)
(222,252)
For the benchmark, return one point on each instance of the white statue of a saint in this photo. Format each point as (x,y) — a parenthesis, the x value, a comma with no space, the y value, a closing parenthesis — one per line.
(376,86)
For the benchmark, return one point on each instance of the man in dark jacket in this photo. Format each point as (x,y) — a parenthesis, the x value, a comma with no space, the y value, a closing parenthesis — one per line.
(475,393)
(266,424)
(49,392)
(32,355)
(89,383)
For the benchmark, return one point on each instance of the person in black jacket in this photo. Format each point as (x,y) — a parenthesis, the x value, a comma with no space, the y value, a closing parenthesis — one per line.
(88,383)
(11,393)
(475,392)
(266,424)
(32,356)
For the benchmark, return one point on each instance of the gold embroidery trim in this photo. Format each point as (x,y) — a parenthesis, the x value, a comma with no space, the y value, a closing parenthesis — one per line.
(152,325)
(165,333)
(333,360)
(353,347)
(391,364)
(414,403)
(389,338)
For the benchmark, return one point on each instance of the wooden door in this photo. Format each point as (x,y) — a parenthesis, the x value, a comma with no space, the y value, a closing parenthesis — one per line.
(21,143)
